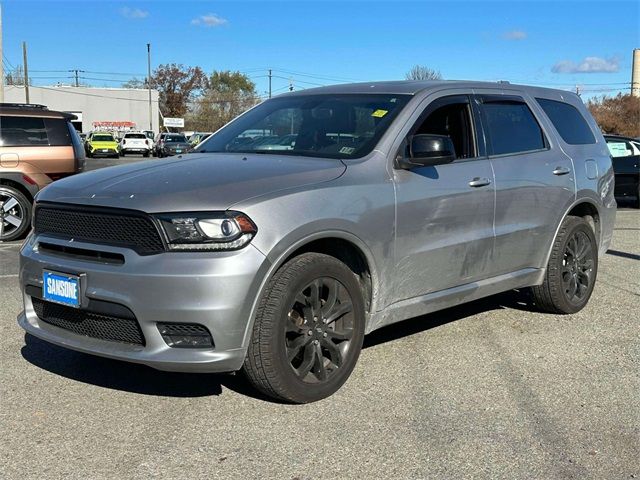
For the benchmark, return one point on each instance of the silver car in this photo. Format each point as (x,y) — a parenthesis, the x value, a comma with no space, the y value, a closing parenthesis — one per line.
(396,200)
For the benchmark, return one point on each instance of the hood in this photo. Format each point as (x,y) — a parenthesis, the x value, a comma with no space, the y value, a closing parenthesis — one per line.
(109,144)
(210,181)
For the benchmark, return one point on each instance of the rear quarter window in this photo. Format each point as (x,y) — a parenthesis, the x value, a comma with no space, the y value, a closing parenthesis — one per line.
(568,121)
(58,131)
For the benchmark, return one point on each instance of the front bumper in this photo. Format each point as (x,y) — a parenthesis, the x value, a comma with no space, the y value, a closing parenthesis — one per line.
(217,290)
(99,152)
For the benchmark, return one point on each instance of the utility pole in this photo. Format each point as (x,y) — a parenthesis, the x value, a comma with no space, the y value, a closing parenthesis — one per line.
(1,62)
(26,72)
(290,84)
(578,90)
(269,83)
(75,74)
(149,85)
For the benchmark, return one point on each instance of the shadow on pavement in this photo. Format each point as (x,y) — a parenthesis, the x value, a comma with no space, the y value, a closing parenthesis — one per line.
(129,377)
(134,378)
(514,299)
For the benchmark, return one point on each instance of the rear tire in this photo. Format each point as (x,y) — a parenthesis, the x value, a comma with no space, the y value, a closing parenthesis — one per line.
(571,271)
(15,214)
(308,331)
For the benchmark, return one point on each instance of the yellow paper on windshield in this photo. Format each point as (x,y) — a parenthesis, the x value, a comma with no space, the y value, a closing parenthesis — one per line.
(379,113)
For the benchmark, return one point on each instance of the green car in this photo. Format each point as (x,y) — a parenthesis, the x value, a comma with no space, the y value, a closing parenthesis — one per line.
(198,137)
(101,144)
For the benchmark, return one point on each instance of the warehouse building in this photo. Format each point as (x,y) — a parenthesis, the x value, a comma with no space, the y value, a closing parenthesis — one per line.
(115,109)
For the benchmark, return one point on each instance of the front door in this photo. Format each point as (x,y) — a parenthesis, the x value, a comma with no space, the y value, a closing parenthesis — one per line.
(444,228)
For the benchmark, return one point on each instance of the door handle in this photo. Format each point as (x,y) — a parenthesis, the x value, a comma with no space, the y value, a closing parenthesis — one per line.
(479,182)
(561,171)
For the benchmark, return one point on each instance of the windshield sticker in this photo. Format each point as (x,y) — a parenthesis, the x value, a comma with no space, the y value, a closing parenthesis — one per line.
(379,113)
(347,150)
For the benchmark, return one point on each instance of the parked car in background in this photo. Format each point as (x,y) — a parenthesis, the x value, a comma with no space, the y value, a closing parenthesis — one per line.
(168,144)
(625,153)
(149,134)
(398,199)
(135,142)
(102,144)
(198,137)
(37,146)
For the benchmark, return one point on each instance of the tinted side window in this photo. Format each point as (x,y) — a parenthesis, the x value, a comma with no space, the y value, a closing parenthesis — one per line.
(512,128)
(22,131)
(569,123)
(58,131)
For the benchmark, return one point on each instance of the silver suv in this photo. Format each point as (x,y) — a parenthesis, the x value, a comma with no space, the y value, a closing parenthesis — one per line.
(396,199)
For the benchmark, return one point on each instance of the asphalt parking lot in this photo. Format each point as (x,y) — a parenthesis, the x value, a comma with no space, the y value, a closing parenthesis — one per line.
(491,389)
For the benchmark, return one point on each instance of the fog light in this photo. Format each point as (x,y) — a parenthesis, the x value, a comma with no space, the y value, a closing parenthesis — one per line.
(185,335)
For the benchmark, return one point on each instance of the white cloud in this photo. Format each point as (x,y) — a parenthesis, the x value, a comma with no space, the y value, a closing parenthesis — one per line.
(209,20)
(133,13)
(588,65)
(515,35)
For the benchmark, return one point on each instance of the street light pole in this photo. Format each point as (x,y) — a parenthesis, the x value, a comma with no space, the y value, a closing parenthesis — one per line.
(26,72)
(149,85)
(1,62)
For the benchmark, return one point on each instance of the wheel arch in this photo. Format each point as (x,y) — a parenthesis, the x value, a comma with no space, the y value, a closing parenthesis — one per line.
(584,207)
(7,182)
(339,244)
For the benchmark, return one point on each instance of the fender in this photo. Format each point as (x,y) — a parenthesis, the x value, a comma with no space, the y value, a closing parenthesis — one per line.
(283,255)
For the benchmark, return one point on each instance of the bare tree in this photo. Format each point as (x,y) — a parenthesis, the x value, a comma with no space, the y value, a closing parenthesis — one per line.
(420,72)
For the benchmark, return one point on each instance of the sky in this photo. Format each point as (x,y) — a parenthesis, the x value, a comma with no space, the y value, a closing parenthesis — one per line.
(560,44)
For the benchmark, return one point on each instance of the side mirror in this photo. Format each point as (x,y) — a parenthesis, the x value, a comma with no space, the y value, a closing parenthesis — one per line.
(427,150)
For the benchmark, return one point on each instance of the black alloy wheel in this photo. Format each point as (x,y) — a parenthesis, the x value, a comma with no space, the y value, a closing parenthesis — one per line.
(578,267)
(572,269)
(319,330)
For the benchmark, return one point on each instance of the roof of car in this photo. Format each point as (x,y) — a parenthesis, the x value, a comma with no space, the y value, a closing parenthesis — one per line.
(409,87)
(621,137)
(32,110)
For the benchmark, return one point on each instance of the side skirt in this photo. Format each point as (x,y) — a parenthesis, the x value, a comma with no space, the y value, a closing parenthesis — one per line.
(432,302)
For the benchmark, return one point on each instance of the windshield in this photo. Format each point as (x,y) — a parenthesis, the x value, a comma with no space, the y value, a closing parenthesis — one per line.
(333,126)
(175,139)
(102,138)
(135,135)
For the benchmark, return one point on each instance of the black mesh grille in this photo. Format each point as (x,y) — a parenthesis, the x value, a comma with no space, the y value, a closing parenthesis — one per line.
(127,229)
(183,329)
(90,324)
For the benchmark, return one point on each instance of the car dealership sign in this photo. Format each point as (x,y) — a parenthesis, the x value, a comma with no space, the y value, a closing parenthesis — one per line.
(174,122)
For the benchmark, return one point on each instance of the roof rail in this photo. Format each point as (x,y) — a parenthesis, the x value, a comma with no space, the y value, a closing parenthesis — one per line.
(23,105)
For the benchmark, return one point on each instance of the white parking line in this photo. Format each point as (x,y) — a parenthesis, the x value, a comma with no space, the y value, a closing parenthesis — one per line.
(11,275)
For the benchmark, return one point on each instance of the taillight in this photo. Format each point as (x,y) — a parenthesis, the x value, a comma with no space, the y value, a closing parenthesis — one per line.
(146,142)
(124,140)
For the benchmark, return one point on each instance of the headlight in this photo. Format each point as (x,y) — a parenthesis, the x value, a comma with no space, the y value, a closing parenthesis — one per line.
(207,231)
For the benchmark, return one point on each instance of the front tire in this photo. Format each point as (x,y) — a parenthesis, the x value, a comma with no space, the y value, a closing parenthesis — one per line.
(571,271)
(15,214)
(308,331)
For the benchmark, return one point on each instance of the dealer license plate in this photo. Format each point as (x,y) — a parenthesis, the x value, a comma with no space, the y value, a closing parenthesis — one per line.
(61,288)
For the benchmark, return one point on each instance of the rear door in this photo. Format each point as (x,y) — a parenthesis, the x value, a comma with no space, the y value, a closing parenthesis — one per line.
(534,179)
(444,235)
(37,144)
